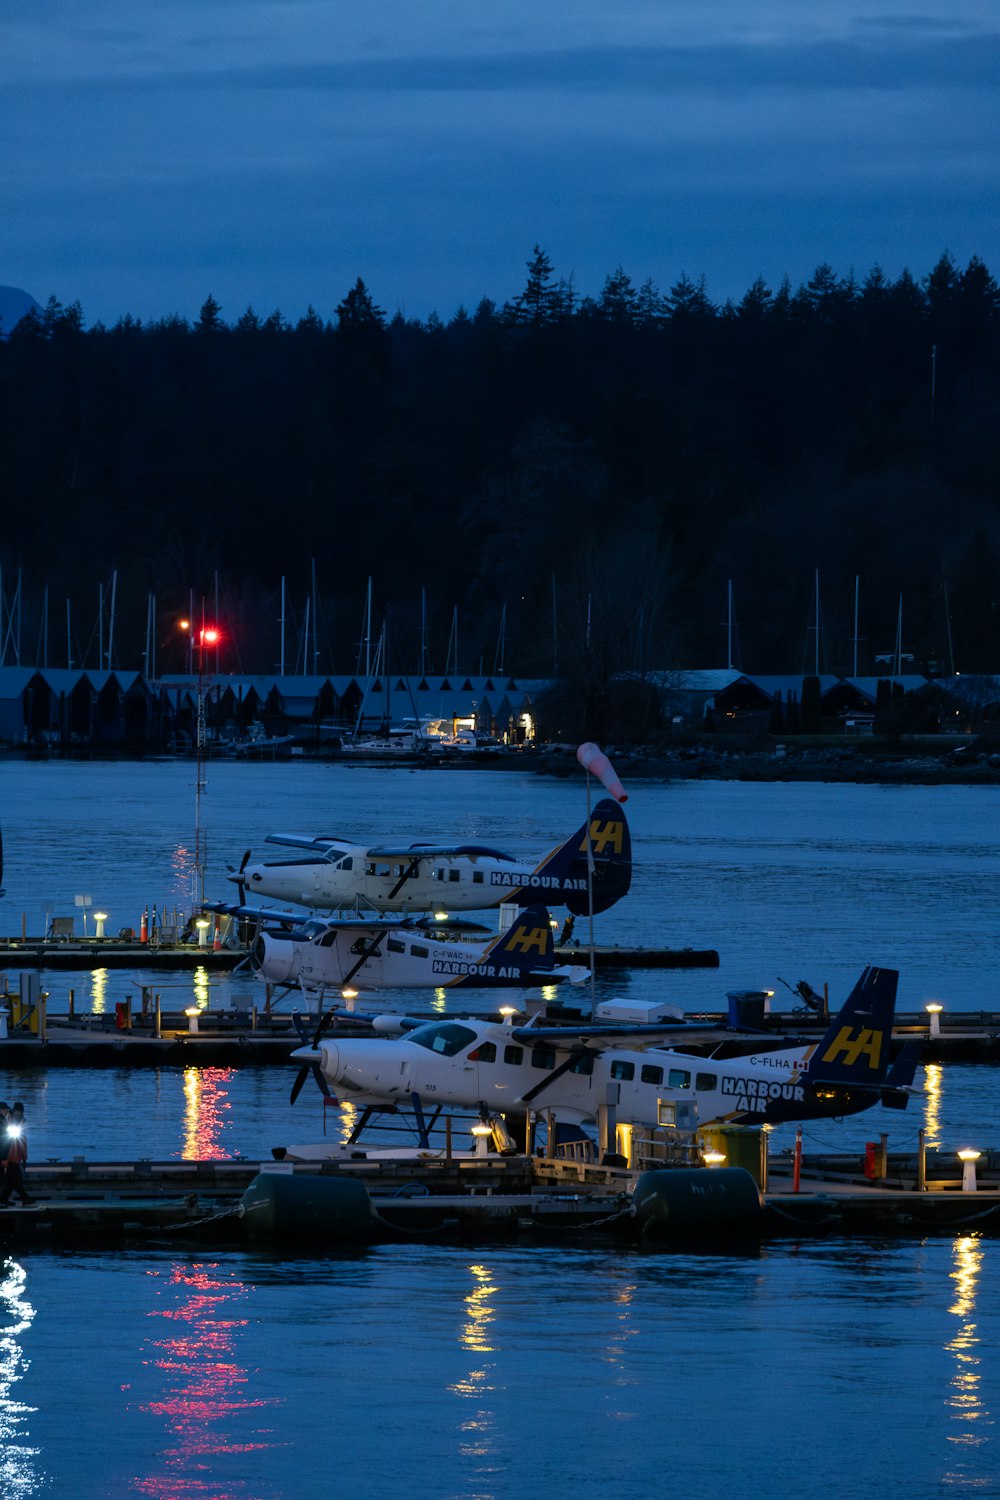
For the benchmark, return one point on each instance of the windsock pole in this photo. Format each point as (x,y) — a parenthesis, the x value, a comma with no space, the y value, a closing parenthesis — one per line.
(593,759)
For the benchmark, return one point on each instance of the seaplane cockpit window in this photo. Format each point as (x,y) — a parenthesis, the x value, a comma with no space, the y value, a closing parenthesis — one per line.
(418,950)
(623,1070)
(345,864)
(706,1080)
(358,946)
(649,1074)
(438,874)
(395,946)
(329,938)
(445,1037)
(543,1057)
(486,1052)
(477,877)
(584,1065)
(678,1078)
(514,1056)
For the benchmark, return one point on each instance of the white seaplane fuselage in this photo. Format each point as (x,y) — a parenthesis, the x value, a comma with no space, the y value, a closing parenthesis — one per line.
(468,1063)
(404,958)
(346,876)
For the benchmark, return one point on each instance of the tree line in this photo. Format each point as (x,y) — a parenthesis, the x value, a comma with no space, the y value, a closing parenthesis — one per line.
(563,484)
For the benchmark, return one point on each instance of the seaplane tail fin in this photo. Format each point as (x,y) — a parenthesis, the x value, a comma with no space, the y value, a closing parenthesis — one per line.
(526,948)
(858,1041)
(564,871)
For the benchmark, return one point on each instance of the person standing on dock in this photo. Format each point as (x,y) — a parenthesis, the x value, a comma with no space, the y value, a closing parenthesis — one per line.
(14,1149)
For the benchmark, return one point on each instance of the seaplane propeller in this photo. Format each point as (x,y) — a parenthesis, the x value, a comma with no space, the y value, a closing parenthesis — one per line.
(241,885)
(307,1068)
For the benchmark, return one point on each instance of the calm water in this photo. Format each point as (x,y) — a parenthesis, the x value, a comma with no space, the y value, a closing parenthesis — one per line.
(858,1369)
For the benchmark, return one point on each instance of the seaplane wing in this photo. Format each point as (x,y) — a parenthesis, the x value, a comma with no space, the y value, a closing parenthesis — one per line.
(436,851)
(589,871)
(384,953)
(470,1063)
(319,842)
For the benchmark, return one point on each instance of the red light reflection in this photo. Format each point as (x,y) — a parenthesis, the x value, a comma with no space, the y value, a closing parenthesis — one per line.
(204,1401)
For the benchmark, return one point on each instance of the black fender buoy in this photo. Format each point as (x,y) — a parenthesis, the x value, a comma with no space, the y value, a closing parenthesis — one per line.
(690,1201)
(333,1210)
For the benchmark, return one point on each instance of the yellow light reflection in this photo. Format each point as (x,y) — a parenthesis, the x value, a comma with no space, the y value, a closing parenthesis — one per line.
(200,985)
(17,1472)
(479,1427)
(202,1387)
(933,1088)
(206,1105)
(439,1004)
(98,991)
(965,1395)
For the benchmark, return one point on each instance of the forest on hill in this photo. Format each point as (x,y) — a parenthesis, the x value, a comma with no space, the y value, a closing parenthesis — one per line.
(566,483)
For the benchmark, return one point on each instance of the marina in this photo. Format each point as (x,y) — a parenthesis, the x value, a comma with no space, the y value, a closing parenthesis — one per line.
(210,1339)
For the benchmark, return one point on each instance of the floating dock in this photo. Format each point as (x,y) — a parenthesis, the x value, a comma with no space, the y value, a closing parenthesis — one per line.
(235,1038)
(114,953)
(377,1197)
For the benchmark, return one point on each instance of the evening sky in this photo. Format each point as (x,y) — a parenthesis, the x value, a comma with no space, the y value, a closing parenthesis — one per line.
(271,151)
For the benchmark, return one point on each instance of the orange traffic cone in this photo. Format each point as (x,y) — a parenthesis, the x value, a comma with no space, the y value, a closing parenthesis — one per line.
(217,939)
(144,926)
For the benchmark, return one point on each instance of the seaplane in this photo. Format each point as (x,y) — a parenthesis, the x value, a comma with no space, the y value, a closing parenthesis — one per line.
(381,953)
(580,1073)
(333,874)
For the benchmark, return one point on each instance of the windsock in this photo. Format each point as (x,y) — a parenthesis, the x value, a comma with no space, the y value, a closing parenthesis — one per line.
(596,762)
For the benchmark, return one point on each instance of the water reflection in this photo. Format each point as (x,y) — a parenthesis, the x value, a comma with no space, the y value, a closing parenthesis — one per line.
(965,1395)
(478,1427)
(18,1474)
(933,1091)
(98,991)
(206,1106)
(203,1389)
(200,984)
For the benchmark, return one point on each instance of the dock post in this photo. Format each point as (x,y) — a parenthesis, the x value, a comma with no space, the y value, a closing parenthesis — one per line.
(156,1025)
(253,1019)
(447,1137)
(763,1160)
(921,1160)
(72,1003)
(43,1000)
(797,1160)
(883,1157)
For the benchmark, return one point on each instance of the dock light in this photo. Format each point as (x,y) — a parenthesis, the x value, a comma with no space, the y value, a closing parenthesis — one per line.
(713,1158)
(934,1023)
(100,917)
(482,1134)
(14,1130)
(203,924)
(508,1012)
(968,1158)
(350,996)
(440,916)
(192,1013)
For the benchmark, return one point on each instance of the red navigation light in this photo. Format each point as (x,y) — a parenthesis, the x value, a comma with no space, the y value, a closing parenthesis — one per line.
(210,636)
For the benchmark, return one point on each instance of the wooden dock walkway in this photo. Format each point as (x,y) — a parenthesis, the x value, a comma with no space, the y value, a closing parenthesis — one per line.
(115,953)
(242,1037)
(474,1199)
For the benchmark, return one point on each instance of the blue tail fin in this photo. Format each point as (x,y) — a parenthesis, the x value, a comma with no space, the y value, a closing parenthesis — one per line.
(561,877)
(526,949)
(858,1041)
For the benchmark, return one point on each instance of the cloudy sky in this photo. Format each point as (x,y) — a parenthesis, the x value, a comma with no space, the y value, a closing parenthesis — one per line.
(272,151)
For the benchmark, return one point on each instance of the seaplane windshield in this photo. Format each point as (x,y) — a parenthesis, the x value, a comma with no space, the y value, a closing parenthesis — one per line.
(444,1037)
